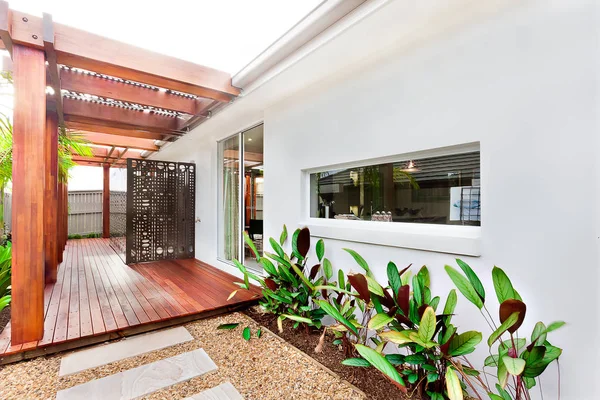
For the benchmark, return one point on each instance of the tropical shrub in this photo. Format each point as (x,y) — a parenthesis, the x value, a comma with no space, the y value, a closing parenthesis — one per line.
(5,274)
(404,317)
(517,362)
(290,287)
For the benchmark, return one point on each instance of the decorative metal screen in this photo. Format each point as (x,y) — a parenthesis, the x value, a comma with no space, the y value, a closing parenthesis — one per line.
(118,221)
(160,210)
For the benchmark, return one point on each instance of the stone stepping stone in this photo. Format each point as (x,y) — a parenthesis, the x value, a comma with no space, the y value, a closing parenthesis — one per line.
(143,380)
(126,348)
(225,391)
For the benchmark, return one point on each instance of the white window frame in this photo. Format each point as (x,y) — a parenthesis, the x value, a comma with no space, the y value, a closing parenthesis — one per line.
(241,224)
(454,239)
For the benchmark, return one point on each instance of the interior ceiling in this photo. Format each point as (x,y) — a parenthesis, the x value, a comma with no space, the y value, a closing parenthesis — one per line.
(253,139)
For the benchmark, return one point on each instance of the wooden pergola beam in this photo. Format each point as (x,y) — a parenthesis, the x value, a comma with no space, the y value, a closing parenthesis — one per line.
(5,21)
(85,83)
(51,196)
(111,115)
(80,124)
(109,154)
(80,160)
(92,52)
(54,81)
(120,141)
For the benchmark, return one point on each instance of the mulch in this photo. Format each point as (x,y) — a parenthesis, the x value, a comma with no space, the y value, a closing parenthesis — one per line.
(369,380)
(4,318)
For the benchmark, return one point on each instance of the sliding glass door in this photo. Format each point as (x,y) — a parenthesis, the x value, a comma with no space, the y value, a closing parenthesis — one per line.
(241,195)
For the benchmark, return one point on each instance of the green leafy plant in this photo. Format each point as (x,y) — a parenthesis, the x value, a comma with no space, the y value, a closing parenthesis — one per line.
(290,287)
(517,363)
(5,274)
(402,317)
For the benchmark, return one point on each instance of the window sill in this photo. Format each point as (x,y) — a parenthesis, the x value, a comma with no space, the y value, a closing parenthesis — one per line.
(462,240)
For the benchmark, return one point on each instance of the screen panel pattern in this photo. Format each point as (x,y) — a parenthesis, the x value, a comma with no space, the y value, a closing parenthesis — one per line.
(160,210)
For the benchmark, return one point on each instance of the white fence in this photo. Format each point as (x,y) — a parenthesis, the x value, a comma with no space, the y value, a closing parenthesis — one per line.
(85,212)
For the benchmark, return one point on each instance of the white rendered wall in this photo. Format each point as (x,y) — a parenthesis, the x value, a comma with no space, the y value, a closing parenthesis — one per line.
(523,83)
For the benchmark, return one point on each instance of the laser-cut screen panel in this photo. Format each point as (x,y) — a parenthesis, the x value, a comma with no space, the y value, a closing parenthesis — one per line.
(160,210)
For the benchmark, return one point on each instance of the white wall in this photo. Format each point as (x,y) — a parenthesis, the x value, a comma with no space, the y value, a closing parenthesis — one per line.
(523,83)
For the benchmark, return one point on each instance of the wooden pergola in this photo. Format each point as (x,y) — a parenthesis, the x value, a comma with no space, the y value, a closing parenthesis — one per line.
(125,100)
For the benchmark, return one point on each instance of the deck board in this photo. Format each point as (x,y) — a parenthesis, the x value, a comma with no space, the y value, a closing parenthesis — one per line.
(96,294)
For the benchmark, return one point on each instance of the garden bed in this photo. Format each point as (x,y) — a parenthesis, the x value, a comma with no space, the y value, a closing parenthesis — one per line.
(369,380)
(4,318)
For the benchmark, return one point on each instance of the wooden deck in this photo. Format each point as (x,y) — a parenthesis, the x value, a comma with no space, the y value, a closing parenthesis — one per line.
(97,297)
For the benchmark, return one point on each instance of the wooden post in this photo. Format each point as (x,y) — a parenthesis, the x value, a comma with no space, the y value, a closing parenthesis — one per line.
(65,214)
(59,223)
(51,197)
(106,202)
(28,176)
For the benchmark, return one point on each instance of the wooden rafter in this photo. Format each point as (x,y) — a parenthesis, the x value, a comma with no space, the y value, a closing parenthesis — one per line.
(120,141)
(92,52)
(112,149)
(90,125)
(111,154)
(121,156)
(115,116)
(93,161)
(98,86)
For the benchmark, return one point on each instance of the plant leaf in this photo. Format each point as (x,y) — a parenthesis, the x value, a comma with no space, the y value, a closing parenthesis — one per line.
(374,286)
(232,294)
(423,274)
(510,306)
(360,261)
(464,286)
(378,321)
(361,285)
(327,268)
(464,343)
(514,366)
(277,248)
(247,333)
(502,285)
(301,242)
(268,266)
(333,312)
(297,318)
(538,336)
(356,362)
(510,321)
(228,327)
(427,325)
(453,385)
(450,303)
(473,278)
(398,337)
(259,333)
(554,326)
(394,277)
(320,249)
(381,363)
(284,235)
(250,244)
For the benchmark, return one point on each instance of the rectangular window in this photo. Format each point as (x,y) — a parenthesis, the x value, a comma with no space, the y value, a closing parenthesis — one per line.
(433,190)
(241,195)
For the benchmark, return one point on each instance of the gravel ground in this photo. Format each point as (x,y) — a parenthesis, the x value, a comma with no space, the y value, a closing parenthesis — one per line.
(263,368)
